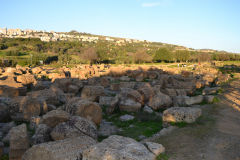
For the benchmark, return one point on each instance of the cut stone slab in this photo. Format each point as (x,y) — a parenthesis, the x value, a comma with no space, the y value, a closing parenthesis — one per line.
(85,108)
(209,98)
(75,127)
(147,109)
(118,148)
(92,93)
(155,148)
(194,100)
(67,149)
(126,117)
(19,142)
(107,129)
(181,114)
(209,90)
(188,101)
(129,105)
(41,135)
(55,117)
(160,100)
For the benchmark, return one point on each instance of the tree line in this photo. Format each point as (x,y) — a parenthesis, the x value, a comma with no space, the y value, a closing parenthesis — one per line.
(21,50)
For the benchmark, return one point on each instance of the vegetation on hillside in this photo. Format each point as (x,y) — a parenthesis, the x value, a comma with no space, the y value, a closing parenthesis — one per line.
(33,51)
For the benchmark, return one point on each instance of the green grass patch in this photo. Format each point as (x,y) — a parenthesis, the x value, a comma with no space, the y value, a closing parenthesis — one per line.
(220,91)
(143,124)
(101,138)
(179,124)
(216,100)
(162,156)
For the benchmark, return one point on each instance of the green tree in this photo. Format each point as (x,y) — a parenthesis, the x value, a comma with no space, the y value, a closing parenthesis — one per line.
(162,54)
(182,55)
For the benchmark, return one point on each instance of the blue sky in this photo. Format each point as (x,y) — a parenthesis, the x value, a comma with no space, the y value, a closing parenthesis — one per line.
(211,24)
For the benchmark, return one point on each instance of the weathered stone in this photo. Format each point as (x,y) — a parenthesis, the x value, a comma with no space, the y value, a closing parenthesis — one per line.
(147,109)
(4,113)
(152,74)
(115,86)
(105,82)
(127,84)
(147,92)
(170,92)
(209,98)
(36,70)
(7,91)
(68,85)
(34,122)
(194,100)
(124,78)
(181,114)
(76,126)
(109,102)
(73,89)
(23,108)
(84,108)
(181,92)
(52,95)
(42,134)
(155,148)
(118,147)
(105,101)
(209,78)
(186,74)
(34,107)
(92,93)
(67,149)
(10,82)
(126,117)
(59,75)
(129,105)
(41,85)
(5,127)
(187,101)
(55,117)
(160,100)
(208,90)
(19,142)
(107,129)
(131,94)
(199,84)
(26,79)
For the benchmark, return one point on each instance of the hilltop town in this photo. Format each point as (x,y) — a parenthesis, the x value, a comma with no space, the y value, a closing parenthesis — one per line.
(61,36)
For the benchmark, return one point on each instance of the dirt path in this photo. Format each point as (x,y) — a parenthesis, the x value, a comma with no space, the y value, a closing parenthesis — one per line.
(215,136)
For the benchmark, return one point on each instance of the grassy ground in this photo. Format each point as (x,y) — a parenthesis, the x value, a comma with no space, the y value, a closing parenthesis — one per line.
(144,124)
(189,133)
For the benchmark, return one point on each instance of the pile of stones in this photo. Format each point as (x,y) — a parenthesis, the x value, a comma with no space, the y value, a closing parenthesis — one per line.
(49,113)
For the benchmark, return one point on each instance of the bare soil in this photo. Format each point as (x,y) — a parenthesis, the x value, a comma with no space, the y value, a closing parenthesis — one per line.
(215,136)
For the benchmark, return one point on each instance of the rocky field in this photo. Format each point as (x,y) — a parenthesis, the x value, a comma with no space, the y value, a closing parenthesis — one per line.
(100,112)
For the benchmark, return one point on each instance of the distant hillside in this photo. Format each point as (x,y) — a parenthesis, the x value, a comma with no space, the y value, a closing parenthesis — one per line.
(36,47)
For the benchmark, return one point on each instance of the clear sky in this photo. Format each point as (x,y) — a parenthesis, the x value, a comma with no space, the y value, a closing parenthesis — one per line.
(211,24)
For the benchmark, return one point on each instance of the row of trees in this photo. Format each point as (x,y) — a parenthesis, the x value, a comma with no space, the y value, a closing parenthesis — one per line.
(102,52)
(91,55)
